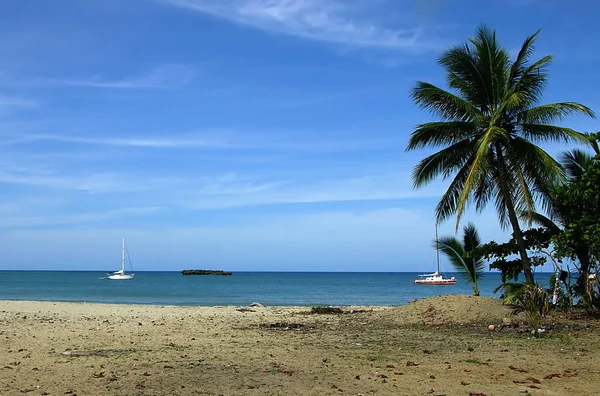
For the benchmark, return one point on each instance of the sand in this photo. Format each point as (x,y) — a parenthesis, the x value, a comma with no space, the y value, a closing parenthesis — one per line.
(436,346)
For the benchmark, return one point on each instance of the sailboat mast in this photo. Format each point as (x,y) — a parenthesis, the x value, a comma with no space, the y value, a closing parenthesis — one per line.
(437,249)
(123,256)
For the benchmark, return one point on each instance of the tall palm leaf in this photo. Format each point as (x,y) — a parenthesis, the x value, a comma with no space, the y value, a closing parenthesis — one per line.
(461,255)
(575,163)
(487,130)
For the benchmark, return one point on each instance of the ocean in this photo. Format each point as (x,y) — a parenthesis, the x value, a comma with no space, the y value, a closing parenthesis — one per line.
(240,289)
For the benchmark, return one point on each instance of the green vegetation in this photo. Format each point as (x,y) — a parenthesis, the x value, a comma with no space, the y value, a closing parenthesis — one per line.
(577,205)
(570,231)
(462,255)
(487,130)
(529,298)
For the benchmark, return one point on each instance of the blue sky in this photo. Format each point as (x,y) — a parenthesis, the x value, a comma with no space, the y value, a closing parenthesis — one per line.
(241,134)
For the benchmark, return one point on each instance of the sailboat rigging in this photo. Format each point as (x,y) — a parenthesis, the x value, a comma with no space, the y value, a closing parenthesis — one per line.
(120,274)
(436,278)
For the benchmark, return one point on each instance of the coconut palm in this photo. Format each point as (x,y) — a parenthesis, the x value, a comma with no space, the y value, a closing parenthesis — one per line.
(488,129)
(461,254)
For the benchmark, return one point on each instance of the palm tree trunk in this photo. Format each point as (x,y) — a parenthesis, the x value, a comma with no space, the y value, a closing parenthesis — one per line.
(518,235)
(584,271)
(512,216)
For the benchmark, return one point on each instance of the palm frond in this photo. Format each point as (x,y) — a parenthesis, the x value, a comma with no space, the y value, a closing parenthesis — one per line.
(479,167)
(551,133)
(471,241)
(541,220)
(531,83)
(442,103)
(486,188)
(493,64)
(433,134)
(452,248)
(575,163)
(444,163)
(448,203)
(464,75)
(549,113)
(513,291)
(593,139)
(500,203)
(536,172)
(518,66)
(460,254)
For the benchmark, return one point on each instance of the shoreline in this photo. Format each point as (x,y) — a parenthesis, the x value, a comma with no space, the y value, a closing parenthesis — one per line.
(78,306)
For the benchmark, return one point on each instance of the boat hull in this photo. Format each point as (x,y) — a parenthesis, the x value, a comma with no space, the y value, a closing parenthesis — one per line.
(435,282)
(120,276)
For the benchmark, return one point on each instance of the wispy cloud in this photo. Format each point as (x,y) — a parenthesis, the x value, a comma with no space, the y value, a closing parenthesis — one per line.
(238,140)
(332,21)
(296,102)
(23,221)
(15,101)
(163,77)
(188,142)
(234,192)
(232,184)
(91,182)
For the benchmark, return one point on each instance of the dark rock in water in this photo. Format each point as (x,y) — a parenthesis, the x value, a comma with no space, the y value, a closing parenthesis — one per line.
(205,272)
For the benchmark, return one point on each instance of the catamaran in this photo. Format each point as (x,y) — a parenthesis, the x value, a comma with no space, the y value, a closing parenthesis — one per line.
(120,275)
(436,278)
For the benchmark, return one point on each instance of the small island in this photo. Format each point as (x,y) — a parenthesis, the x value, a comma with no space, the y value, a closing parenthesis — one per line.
(205,272)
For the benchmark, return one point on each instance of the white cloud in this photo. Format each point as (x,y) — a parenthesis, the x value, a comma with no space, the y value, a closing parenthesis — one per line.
(92,182)
(243,140)
(15,101)
(188,142)
(332,21)
(24,221)
(249,193)
(163,77)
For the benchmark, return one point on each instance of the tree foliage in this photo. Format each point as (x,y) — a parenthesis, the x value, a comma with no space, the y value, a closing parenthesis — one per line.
(461,254)
(499,254)
(529,298)
(578,204)
(488,128)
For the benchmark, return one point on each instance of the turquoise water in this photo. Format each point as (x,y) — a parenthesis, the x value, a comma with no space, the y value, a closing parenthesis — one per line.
(242,288)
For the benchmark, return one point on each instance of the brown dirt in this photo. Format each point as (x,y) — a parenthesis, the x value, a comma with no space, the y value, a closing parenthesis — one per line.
(436,346)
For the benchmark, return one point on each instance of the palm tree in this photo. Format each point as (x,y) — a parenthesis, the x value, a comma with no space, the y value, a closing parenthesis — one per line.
(488,129)
(461,254)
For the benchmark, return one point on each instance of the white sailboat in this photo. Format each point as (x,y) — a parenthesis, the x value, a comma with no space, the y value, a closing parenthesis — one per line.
(436,278)
(120,275)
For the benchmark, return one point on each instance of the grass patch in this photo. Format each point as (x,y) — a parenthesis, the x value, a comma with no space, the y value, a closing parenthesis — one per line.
(176,347)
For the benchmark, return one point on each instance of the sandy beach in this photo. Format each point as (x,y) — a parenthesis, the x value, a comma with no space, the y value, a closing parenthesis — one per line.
(436,346)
